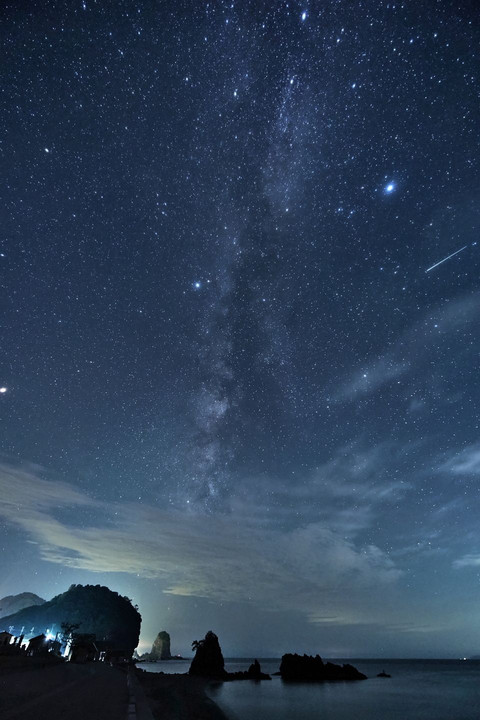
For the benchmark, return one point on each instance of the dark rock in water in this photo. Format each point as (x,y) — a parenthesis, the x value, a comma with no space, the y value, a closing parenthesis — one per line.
(254,672)
(384,674)
(208,660)
(161,647)
(306,668)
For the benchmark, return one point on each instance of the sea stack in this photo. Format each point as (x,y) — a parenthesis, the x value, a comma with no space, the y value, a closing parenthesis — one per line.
(208,660)
(161,647)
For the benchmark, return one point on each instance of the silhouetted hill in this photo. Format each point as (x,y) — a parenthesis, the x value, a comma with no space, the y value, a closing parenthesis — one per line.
(96,609)
(13,603)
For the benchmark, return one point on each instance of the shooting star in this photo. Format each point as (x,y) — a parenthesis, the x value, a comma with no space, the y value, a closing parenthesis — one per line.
(447,258)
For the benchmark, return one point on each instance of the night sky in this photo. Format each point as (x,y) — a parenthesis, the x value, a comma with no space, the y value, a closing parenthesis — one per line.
(236,386)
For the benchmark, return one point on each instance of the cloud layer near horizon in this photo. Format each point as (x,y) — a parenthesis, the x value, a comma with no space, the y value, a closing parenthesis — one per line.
(311,568)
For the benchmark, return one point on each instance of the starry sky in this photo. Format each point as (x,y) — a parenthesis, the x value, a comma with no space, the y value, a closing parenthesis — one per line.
(238,383)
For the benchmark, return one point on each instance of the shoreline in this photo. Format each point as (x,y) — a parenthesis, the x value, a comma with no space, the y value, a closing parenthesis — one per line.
(38,686)
(173,696)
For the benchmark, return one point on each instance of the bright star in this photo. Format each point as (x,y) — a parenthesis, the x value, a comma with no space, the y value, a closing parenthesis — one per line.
(3,389)
(197,285)
(304,16)
(389,188)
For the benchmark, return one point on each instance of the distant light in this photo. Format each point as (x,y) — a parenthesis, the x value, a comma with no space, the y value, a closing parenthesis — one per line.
(47,150)
(389,188)
(3,390)
(197,285)
(304,16)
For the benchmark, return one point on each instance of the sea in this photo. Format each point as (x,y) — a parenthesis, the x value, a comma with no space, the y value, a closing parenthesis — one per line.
(417,690)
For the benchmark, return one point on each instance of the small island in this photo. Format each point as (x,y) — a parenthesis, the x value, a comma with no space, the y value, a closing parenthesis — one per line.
(306,668)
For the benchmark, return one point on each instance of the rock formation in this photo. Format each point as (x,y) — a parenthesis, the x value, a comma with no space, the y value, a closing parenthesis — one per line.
(254,672)
(298,668)
(208,660)
(161,647)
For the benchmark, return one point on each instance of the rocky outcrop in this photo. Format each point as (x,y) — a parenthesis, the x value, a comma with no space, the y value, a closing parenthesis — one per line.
(306,668)
(208,660)
(13,603)
(254,672)
(161,647)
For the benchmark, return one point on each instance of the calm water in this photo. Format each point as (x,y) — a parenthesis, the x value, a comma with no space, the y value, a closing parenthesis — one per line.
(423,689)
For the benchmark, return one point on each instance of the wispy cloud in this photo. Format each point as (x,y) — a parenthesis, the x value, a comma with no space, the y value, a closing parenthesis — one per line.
(469,560)
(310,568)
(410,351)
(370,378)
(464,462)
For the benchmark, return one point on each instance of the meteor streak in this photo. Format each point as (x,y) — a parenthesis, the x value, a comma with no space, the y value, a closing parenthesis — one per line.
(445,259)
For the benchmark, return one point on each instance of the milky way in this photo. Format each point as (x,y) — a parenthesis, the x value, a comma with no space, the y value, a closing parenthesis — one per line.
(222,351)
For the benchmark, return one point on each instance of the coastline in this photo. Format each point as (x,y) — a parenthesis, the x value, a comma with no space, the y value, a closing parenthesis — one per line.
(178,697)
(46,686)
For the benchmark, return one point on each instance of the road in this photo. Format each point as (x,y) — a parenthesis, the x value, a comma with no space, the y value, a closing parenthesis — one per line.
(94,691)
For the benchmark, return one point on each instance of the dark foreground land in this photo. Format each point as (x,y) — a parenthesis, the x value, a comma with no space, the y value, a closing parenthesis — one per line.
(43,690)
(178,697)
(65,690)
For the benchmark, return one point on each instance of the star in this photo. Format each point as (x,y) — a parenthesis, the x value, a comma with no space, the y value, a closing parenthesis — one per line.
(3,390)
(389,188)
(197,285)
(304,16)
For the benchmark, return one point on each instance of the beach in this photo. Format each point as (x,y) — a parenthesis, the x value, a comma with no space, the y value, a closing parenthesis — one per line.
(178,697)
